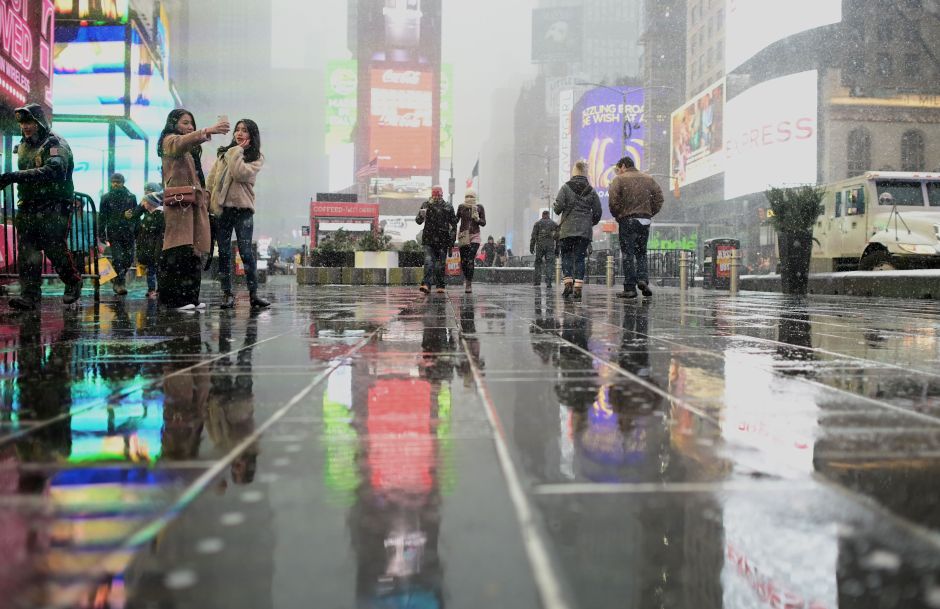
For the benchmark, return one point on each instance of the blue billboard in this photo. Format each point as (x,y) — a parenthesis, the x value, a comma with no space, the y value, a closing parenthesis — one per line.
(604,130)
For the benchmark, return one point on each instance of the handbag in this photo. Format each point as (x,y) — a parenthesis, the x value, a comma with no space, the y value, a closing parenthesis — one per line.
(179,196)
(464,239)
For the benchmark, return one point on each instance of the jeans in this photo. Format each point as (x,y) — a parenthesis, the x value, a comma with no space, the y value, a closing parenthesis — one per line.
(242,221)
(152,271)
(573,254)
(435,261)
(468,255)
(544,264)
(633,239)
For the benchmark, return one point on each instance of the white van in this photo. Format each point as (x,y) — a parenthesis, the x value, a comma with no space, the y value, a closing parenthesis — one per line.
(879,221)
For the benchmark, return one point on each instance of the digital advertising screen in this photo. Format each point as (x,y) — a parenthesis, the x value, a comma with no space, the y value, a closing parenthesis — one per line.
(697,137)
(557,34)
(597,126)
(95,11)
(341,85)
(89,70)
(28,32)
(401,31)
(401,124)
(753,25)
(772,135)
(447,110)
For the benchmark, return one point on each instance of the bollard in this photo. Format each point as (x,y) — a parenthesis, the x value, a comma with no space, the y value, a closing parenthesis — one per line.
(735,269)
(610,271)
(557,270)
(683,271)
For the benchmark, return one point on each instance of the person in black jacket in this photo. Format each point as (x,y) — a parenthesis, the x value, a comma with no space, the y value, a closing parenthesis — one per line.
(46,199)
(542,246)
(150,229)
(118,226)
(440,225)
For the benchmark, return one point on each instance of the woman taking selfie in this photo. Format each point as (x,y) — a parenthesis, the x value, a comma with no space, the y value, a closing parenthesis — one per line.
(232,184)
(186,209)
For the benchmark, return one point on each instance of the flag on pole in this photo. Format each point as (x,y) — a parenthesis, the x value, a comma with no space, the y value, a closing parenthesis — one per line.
(372,169)
(474,175)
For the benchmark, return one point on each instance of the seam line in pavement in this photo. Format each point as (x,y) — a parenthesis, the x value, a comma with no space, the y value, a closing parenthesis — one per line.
(648,488)
(546,580)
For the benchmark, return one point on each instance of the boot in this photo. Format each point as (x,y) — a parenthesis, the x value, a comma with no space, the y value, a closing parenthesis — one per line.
(228,301)
(73,293)
(644,289)
(569,287)
(468,287)
(578,288)
(257,302)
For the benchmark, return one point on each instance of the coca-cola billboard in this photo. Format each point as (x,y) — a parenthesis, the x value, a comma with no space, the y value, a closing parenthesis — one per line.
(27,36)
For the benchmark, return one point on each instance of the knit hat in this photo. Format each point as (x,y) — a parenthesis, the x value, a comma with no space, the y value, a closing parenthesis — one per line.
(117,177)
(470,194)
(150,187)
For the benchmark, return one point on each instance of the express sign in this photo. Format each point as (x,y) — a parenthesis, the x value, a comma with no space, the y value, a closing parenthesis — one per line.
(27,36)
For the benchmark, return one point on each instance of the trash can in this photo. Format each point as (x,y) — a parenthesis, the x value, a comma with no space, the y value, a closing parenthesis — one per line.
(716,266)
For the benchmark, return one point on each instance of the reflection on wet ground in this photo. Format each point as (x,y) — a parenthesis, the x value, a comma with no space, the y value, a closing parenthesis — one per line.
(367,447)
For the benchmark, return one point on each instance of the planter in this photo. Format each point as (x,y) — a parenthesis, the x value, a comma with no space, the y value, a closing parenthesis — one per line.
(332,259)
(377,260)
(795,250)
(410,259)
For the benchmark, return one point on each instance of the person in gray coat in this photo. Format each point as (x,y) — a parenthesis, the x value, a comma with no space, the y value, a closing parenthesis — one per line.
(580,209)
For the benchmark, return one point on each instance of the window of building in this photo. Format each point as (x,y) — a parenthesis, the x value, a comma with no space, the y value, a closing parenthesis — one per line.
(912,151)
(858,152)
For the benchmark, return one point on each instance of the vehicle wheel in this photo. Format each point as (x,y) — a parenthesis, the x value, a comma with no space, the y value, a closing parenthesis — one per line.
(878,260)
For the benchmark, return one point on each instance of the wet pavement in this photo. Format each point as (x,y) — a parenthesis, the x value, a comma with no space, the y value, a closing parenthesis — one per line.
(369,447)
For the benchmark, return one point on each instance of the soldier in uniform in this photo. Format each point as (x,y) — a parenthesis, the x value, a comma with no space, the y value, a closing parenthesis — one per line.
(542,245)
(46,197)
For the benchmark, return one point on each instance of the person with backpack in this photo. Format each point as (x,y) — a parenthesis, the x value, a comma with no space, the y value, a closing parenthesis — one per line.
(580,209)
(542,246)
(440,226)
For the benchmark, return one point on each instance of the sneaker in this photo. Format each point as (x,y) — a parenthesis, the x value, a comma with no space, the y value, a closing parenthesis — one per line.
(569,288)
(201,306)
(187,308)
(424,289)
(228,301)
(21,303)
(644,288)
(627,294)
(259,303)
(73,293)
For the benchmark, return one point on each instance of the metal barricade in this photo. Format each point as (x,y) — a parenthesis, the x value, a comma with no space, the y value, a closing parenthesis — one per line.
(665,266)
(82,240)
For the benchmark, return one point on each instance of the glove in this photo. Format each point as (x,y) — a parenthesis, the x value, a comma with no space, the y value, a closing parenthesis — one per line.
(476,217)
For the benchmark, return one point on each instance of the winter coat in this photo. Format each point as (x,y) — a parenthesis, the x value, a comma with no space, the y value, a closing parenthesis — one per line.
(439,225)
(580,209)
(114,224)
(465,215)
(232,181)
(45,166)
(634,194)
(543,235)
(150,236)
(185,225)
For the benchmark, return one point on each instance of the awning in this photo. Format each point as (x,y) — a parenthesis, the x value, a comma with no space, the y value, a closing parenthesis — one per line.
(351,227)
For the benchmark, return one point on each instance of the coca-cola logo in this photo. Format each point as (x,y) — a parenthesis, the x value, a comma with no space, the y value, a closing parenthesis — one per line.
(394,77)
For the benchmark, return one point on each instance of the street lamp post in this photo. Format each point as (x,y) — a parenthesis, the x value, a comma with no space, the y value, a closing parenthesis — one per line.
(548,176)
(628,126)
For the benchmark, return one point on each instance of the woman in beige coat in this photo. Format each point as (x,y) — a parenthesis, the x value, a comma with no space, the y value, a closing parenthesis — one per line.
(232,186)
(187,236)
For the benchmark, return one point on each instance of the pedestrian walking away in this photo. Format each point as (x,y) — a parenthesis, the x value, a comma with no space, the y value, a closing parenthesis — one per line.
(635,199)
(186,209)
(232,201)
(440,225)
(489,252)
(46,196)
(542,245)
(502,253)
(472,217)
(150,228)
(580,209)
(118,227)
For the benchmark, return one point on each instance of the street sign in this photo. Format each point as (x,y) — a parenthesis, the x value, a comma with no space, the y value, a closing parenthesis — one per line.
(305,231)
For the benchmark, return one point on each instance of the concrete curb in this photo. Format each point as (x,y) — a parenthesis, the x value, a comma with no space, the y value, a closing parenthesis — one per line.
(889,284)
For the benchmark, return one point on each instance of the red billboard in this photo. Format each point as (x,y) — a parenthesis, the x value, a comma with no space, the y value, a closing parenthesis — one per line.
(401,122)
(27,32)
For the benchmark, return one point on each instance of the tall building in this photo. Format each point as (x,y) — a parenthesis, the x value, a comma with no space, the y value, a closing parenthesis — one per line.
(705,44)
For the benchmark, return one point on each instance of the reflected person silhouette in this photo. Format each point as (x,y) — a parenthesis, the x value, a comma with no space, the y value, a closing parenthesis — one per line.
(544,329)
(185,394)
(231,407)
(795,328)
(468,329)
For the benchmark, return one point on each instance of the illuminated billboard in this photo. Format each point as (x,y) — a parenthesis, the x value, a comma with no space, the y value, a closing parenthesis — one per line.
(401,124)
(598,131)
(697,138)
(89,70)
(400,31)
(753,25)
(557,34)
(772,135)
(341,83)
(447,110)
(28,32)
(96,11)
